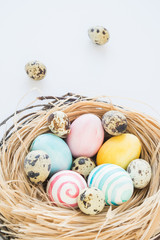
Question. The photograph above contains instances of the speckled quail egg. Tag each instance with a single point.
(140, 173)
(58, 123)
(98, 35)
(37, 166)
(35, 70)
(83, 165)
(91, 201)
(114, 122)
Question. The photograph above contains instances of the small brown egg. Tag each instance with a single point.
(58, 123)
(83, 165)
(35, 70)
(37, 166)
(98, 35)
(114, 122)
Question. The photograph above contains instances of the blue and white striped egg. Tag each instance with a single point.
(114, 181)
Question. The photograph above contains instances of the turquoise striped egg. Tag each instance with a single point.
(57, 150)
(114, 181)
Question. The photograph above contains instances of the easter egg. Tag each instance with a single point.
(58, 123)
(140, 173)
(119, 150)
(35, 70)
(86, 136)
(114, 122)
(114, 182)
(91, 201)
(57, 150)
(83, 166)
(37, 166)
(64, 187)
(98, 35)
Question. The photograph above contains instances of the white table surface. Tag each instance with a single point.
(55, 32)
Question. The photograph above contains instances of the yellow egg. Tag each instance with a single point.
(119, 150)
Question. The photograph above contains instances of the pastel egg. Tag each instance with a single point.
(114, 182)
(58, 123)
(91, 201)
(86, 135)
(114, 122)
(98, 35)
(35, 70)
(140, 173)
(119, 150)
(56, 148)
(37, 166)
(64, 187)
(83, 165)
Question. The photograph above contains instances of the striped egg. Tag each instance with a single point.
(64, 187)
(114, 181)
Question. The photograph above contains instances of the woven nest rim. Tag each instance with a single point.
(26, 212)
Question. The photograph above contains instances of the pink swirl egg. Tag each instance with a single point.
(86, 135)
(63, 188)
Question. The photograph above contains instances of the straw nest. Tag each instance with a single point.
(26, 212)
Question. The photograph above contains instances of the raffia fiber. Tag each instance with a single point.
(25, 209)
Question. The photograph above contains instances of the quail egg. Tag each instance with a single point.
(98, 35)
(58, 123)
(83, 165)
(114, 122)
(35, 70)
(140, 173)
(37, 166)
(91, 201)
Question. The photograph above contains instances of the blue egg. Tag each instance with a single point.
(56, 148)
(114, 181)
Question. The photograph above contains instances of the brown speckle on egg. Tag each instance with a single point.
(82, 161)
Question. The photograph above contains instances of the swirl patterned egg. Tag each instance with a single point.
(64, 187)
(114, 181)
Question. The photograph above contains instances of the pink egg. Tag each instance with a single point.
(64, 187)
(86, 136)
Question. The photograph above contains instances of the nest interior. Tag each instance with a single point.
(26, 212)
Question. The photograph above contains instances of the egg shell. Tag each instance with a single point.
(56, 148)
(83, 165)
(86, 135)
(35, 70)
(98, 35)
(64, 187)
(58, 123)
(119, 150)
(91, 201)
(114, 182)
(37, 166)
(140, 173)
(114, 122)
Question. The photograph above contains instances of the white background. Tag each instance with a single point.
(55, 33)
